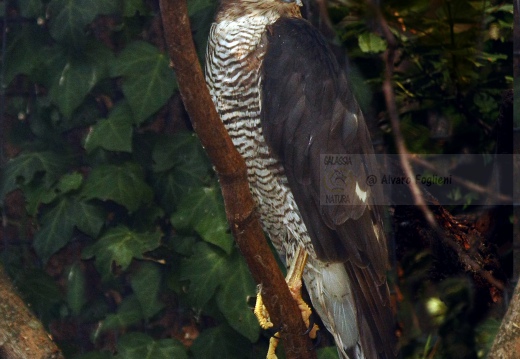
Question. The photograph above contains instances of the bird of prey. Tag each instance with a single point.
(286, 105)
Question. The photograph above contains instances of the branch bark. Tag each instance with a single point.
(231, 170)
(507, 341)
(21, 334)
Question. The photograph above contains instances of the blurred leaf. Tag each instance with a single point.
(69, 18)
(371, 43)
(31, 8)
(233, 295)
(123, 184)
(76, 288)
(94, 355)
(203, 210)
(113, 133)
(134, 7)
(58, 224)
(146, 283)
(56, 230)
(327, 353)
(128, 313)
(26, 165)
(182, 151)
(148, 80)
(40, 291)
(88, 217)
(139, 346)
(120, 245)
(220, 342)
(29, 40)
(76, 80)
(197, 5)
(205, 270)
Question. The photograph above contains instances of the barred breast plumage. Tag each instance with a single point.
(233, 72)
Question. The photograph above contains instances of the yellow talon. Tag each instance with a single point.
(294, 282)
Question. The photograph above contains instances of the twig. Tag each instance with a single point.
(391, 107)
(231, 169)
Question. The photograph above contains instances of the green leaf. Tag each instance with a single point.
(198, 5)
(94, 355)
(58, 224)
(69, 182)
(139, 346)
(41, 292)
(205, 270)
(123, 184)
(371, 43)
(76, 79)
(31, 8)
(327, 353)
(113, 133)
(148, 81)
(76, 288)
(28, 40)
(56, 230)
(182, 151)
(233, 295)
(220, 342)
(70, 17)
(128, 313)
(120, 245)
(88, 217)
(202, 210)
(146, 283)
(25, 166)
(133, 7)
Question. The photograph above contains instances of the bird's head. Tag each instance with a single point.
(231, 9)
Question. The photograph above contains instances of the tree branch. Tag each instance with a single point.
(507, 341)
(21, 334)
(231, 170)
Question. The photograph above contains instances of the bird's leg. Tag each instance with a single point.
(294, 282)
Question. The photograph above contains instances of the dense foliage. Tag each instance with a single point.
(115, 230)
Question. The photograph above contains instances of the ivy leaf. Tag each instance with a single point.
(88, 217)
(76, 288)
(233, 295)
(148, 80)
(26, 165)
(70, 17)
(56, 230)
(146, 283)
(123, 184)
(182, 151)
(113, 133)
(94, 355)
(59, 222)
(139, 346)
(205, 270)
(371, 43)
(120, 245)
(198, 5)
(202, 210)
(128, 313)
(327, 353)
(133, 7)
(76, 79)
(220, 342)
(17, 62)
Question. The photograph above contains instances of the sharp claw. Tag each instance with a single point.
(311, 325)
(317, 341)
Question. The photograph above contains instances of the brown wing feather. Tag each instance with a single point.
(309, 110)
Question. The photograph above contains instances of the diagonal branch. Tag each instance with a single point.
(231, 170)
